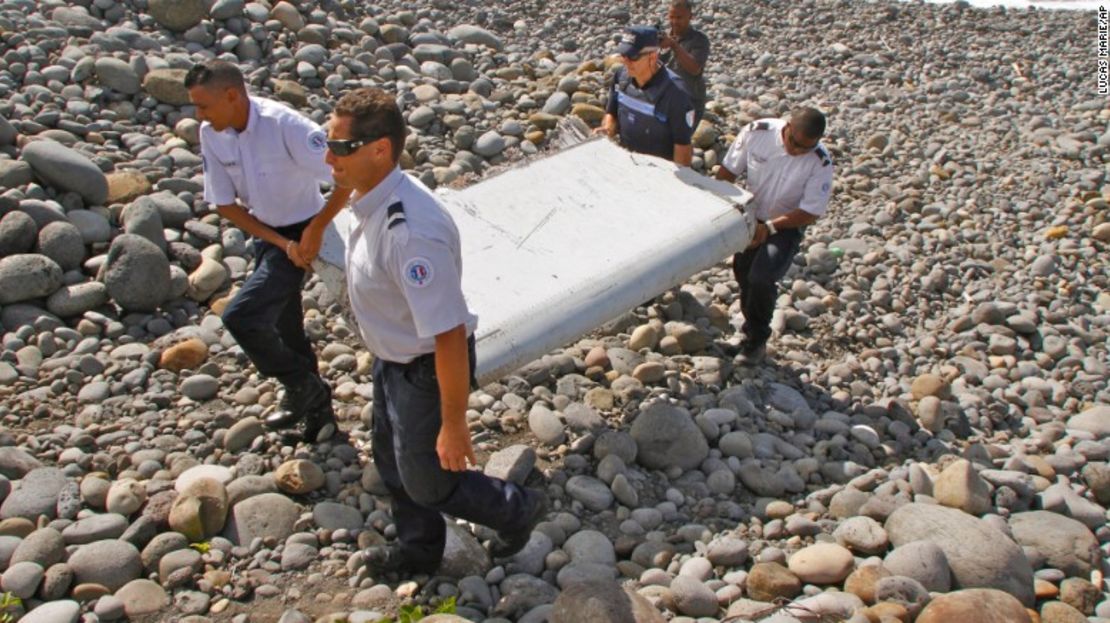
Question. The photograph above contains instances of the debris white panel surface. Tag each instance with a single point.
(554, 249)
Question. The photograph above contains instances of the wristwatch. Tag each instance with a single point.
(771, 231)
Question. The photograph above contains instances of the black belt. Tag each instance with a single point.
(429, 359)
(293, 229)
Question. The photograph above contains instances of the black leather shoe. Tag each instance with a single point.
(730, 349)
(752, 353)
(299, 396)
(320, 424)
(507, 544)
(387, 559)
(318, 429)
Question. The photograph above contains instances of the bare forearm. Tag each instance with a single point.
(686, 61)
(313, 235)
(335, 203)
(724, 174)
(239, 217)
(453, 372)
(793, 220)
(609, 124)
(683, 155)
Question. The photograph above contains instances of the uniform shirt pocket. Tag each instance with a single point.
(365, 281)
(234, 172)
(755, 165)
(281, 179)
(275, 166)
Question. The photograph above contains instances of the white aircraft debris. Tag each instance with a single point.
(556, 248)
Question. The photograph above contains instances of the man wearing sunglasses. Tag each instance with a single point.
(263, 165)
(790, 175)
(404, 268)
(647, 109)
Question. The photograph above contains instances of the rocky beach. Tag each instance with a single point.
(928, 442)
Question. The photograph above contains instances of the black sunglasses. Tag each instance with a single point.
(347, 147)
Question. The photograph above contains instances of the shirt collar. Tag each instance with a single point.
(367, 204)
(655, 80)
(659, 76)
(253, 115)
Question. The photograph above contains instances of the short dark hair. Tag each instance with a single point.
(810, 121)
(215, 74)
(683, 4)
(374, 114)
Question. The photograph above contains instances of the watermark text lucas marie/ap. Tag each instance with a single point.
(1103, 44)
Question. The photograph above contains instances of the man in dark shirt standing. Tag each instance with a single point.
(686, 50)
(647, 109)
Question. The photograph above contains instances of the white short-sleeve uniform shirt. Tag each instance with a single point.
(404, 269)
(779, 182)
(274, 167)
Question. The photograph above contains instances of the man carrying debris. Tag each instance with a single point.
(647, 109)
(404, 267)
(686, 50)
(263, 163)
(790, 176)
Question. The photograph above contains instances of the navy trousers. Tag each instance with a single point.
(758, 271)
(406, 419)
(266, 317)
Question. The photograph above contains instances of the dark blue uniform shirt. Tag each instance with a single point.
(654, 118)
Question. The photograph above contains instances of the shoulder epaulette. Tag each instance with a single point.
(760, 125)
(823, 155)
(395, 215)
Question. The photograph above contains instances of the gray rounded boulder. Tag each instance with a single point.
(7, 132)
(44, 547)
(53, 611)
(42, 212)
(602, 601)
(174, 212)
(28, 276)
(227, 9)
(22, 314)
(111, 563)
(923, 561)
(469, 33)
(117, 75)
(178, 15)
(667, 436)
(66, 169)
(15, 173)
(979, 555)
(1065, 543)
(137, 273)
(142, 218)
(37, 495)
(74, 300)
(62, 242)
(489, 144)
(94, 227)
(18, 232)
(269, 515)
(1095, 420)
(167, 86)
